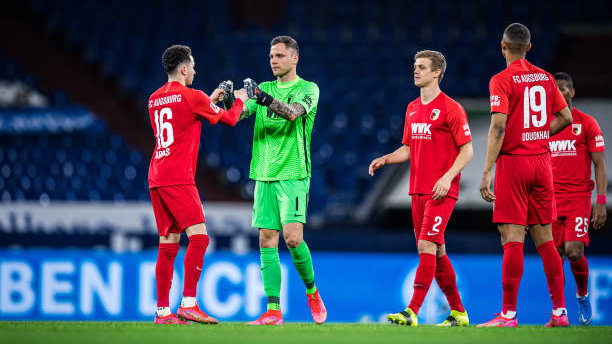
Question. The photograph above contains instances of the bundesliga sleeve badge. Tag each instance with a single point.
(576, 129)
(435, 114)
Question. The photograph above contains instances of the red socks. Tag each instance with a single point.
(580, 268)
(512, 272)
(194, 259)
(447, 281)
(554, 272)
(164, 269)
(424, 275)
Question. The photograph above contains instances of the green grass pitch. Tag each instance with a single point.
(293, 333)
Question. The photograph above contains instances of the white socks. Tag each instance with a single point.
(509, 314)
(163, 311)
(188, 301)
(559, 312)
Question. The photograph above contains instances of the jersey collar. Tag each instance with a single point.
(288, 84)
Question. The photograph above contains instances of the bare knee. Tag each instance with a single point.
(441, 251)
(293, 234)
(574, 250)
(428, 247)
(292, 240)
(268, 238)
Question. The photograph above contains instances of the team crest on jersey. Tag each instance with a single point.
(435, 114)
(576, 129)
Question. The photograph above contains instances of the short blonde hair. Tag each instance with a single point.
(438, 62)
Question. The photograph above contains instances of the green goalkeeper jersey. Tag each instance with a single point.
(281, 148)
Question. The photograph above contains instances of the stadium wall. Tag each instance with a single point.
(357, 287)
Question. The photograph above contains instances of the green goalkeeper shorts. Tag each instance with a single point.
(280, 202)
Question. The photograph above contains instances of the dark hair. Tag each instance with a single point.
(566, 77)
(438, 62)
(288, 41)
(174, 56)
(518, 38)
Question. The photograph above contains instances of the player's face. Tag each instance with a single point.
(282, 59)
(423, 75)
(190, 72)
(566, 90)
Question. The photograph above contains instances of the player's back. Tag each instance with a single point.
(530, 98)
(173, 112)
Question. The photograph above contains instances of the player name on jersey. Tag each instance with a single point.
(536, 135)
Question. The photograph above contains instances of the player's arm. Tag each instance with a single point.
(601, 180)
(232, 115)
(562, 119)
(443, 184)
(400, 155)
(287, 111)
(495, 139)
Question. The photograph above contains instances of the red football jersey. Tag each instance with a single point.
(175, 112)
(530, 97)
(570, 152)
(434, 132)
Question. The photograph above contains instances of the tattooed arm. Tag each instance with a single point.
(287, 111)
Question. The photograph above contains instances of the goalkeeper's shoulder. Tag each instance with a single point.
(310, 86)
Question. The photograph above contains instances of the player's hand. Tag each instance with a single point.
(217, 95)
(254, 92)
(376, 164)
(485, 187)
(241, 94)
(599, 217)
(228, 93)
(441, 187)
(251, 88)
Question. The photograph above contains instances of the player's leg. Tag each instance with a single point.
(543, 239)
(293, 195)
(510, 214)
(183, 203)
(580, 269)
(576, 239)
(169, 237)
(408, 316)
(266, 218)
(193, 265)
(542, 213)
(447, 281)
(512, 239)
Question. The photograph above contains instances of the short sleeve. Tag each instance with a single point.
(407, 132)
(308, 96)
(594, 136)
(558, 100)
(499, 94)
(203, 106)
(458, 125)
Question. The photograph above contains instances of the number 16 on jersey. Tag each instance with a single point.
(165, 135)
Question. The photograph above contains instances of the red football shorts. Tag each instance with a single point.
(573, 220)
(523, 188)
(430, 217)
(176, 207)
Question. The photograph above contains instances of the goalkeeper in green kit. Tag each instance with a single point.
(285, 110)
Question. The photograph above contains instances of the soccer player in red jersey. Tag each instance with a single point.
(572, 152)
(438, 142)
(175, 111)
(524, 99)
